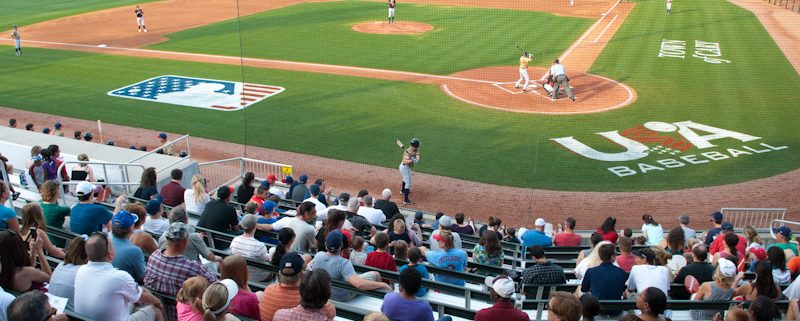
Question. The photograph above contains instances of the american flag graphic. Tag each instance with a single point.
(198, 92)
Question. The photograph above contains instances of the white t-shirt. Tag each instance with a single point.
(646, 276)
(654, 234)
(155, 226)
(793, 290)
(303, 232)
(253, 249)
(274, 190)
(317, 203)
(435, 244)
(103, 292)
(5, 301)
(373, 215)
(323, 214)
(191, 205)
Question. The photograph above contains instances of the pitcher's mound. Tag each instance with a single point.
(397, 28)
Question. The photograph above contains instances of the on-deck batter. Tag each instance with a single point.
(410, 157)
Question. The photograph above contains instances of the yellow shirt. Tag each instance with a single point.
(523, 61)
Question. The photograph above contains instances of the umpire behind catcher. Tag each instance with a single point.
(560, 75)
(410, 157)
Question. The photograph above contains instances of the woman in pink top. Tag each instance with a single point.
(190, 299)
(245, 303)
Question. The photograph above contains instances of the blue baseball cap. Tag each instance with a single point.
(334, 241)
(265, 183)
(46, 130)
(783, 230)
(313, 189)
(124, 219)
(268, 207)
(57, 125)
(162, 135)
(717, 216)
(153, 206)
(303, 179)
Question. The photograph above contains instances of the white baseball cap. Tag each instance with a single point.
(233, 289)
(726, 267)
(84, 188)
(539, 222)
(501, 284)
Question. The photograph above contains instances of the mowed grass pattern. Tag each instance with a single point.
(27, 12)
(463, 38)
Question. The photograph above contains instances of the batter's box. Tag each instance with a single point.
(509, 87)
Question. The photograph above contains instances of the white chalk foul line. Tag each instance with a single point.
(605, 29)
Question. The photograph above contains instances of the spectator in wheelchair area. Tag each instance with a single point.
(563, 306)
(33, 305)
(404, 306)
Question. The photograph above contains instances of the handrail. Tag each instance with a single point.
(155, 150)
(258, 167)
(784, 222)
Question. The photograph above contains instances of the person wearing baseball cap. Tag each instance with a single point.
(342, 269)
(783, 237)
(716, 219)
(719, 242)
(445, 222)
(167, 269)
(274, 189)
(219, 215)
(298, 190)
(156, 223)
(217, 298)
(166, 149)
(536, 236)
(249, 247)
(720, 289)
(86, 217)
(646, 273)
(404, 306)
(129, 257)
(286, 293)
(446, 257)
(501, 290)
(57, 130)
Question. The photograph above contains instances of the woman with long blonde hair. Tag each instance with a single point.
(590, 261)
(196, 197)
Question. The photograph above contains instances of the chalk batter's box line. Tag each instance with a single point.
(499, 85)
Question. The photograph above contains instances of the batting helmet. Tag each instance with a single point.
(414, 142)
(87, 135)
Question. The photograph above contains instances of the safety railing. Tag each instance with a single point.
(779, 223)
(228, 171)
(759, 218)
(176, 146)
(116, 176)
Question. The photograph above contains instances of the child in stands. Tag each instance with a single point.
(380, 258)
(625, 259)
(414, 256)
(358, 255)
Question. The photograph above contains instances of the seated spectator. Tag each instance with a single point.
(593, 260)
(373, 215)
(444, 225)
(488, 250)
(247, 246)
(313, 195)
(196, 197)
(103, 292)
(8, 217)
(82, 171)
(398, 232)
(700, 269)
(675, 245)
(414, 257)
(511, 236)
(375, 316)
(564, 307)
(762, 308)
(298, 191)
(385, 204)
(261, 195)
(568, 236)
(758, 254)
(32, 218)
(783, 237)
(128, 257)
(217, 301)
(77, 134)
(447, 257)
(147, 186)
(590, 307)
(335, 221)
(54, 214)
(380, 258)
(404, 306)
(688, 232)
(628, 232)
(315, 290)
(304, 232)
(625, 259)
(156, 223)
(343, 199)
(140, 238)
(652, 230)
(400, 250)
(608, 230)
(711, 234)
(501, 290)
(285, 239)
(719, 242)
(87, 217)
(18, 267)
(720, 289)
(189, 301)
(197, 247)
(605, 281)
(341, 269)
(358, 255)
(354, 221)
(246, 191)
(274, 189)
(172, 192)
(32, 305)
(286, 293)
(536, 236)
(5, 300)
(542, 271)
(730, 251)
(493, 223)
(775, 256)
(466, 227)
(62, 282)
(167, 269)
(652, 302)
(219, 215)
(762, 285)
(245, 303)
(647, 274)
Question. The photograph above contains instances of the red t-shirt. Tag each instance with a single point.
(567, 239)
(611, 236)
(172, 194)
(719, 244)
(501, 311)
(381, 260)
(626, 262)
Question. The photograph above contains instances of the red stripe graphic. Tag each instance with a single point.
(261, 86)
(259, 90)
(223, 107)
(252, 94)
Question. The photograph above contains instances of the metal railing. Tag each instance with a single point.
(179, 142)
(122, 170)
(757, 217)
(779, 223)
(227, 171)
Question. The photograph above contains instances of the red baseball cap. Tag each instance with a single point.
(271, 178)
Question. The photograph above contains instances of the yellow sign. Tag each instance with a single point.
(286, 170)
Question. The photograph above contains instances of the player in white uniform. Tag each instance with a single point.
(669, 6)
(523, 71)
(140, 19)
(17, 41)
(392, 4)
(410, 157)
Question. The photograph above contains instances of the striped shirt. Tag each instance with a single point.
(253, 249)
(280, 296)
(166, 274)
(299, 313)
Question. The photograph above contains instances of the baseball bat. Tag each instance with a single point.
(100, 131)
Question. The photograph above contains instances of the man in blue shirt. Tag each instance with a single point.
(87, 217)
(536, 236)
(128, 257)
(716, 218)
(606, 281)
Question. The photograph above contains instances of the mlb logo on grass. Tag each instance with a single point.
(198, 92)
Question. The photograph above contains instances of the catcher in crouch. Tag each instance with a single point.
(410, 157)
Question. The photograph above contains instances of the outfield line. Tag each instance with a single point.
(258, 60)
(605, 29)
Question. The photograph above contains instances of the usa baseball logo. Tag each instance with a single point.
(198, 92)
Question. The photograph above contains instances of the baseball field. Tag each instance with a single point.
(706, 96)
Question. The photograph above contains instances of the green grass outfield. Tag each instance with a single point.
(27, 12)
(357, 119)
(463, 38)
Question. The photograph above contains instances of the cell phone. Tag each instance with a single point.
(33, 233)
